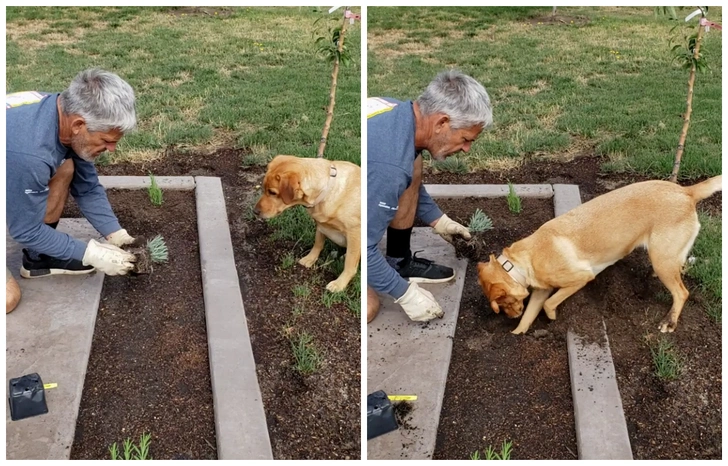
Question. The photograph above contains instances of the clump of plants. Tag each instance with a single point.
(451, 165)
(665, 359)
(308, 359)
(479, 222)
(148, 253)
(155, 192)
(491, 454)
(131, 451)
(514, 202)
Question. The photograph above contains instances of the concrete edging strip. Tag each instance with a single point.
(182, 183)
(240, 423)
(489, 190)
(601, 428)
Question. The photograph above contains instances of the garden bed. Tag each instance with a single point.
(504, 387)
(315, 416)
(148, 371)
(676, 419)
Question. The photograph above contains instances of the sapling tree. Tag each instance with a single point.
(689, 56)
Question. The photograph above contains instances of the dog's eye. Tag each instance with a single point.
(271, 192)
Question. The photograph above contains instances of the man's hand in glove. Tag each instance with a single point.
(419, 304)
(447, 228)
(120, 238)
(108, 258)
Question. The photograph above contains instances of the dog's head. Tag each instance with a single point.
(502, 291)
(281, 186)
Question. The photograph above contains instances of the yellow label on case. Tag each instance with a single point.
(402, 397)
(49, 385)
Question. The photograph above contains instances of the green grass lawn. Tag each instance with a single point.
(240, 77)
(603, 84)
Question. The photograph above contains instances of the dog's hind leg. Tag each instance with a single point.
(318, 246)
(668, 258)
(535, 304)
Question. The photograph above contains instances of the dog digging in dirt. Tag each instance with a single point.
(570, 250)
(331, 193)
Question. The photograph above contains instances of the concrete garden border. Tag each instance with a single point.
(601, 428)
(240, 424)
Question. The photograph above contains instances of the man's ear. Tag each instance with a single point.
(289, 188)
(442, 123)
(77, 123)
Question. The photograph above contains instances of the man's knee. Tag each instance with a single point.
(373, 304)
(12, 292)
(417, 173)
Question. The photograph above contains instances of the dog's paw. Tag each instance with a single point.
(336, 286)
(667, 326)
(308, 261)
(518, 331)
(550, 313)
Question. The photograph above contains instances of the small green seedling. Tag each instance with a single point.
(514, 202)
(157, 248)
(479, 222)
(491, 454)
(131, 451)
(666, 361)
(155, 193)
(308, 359)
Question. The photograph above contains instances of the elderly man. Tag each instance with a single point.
(52, 142)
(444, 120)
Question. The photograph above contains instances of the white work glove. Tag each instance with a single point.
(120, 238)
(108, 258)
(419, 304)
(446, 228)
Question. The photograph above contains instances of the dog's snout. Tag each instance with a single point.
(256, 210)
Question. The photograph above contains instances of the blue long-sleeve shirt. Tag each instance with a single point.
(390, 159)
(33, 154)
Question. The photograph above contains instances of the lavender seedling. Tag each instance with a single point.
(157, 249)
(479, 222)
(514, 202)
(155, 193)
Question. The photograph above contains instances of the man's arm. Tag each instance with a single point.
(25, 206)
(384, 183)
(427, 209)
(91, 198)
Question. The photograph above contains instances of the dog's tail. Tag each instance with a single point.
(705, 189)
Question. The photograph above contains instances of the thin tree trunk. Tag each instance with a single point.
(689, 109)
(553, 11)
(332, 93)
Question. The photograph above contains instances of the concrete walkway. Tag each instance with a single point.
(50, 332)
(412, 358)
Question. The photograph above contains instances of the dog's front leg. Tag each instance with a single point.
(318, 246)
(351, 261)
(535, 303)
(559, 297)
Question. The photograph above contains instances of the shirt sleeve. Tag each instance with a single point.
(26, 202)
(384, 183)
(91, 198)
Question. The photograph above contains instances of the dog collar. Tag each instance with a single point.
(511, 269)
(332, 175)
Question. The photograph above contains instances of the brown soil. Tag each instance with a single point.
(680, 419)
(313, 417)
(149, 371)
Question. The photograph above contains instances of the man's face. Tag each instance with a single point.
(447, 141)
(89, 145)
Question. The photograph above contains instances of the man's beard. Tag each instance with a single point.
(81, 148)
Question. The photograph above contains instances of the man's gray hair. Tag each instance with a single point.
(463, 99)
(103, 99)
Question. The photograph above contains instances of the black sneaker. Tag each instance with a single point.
(419, 270)
(46, 266)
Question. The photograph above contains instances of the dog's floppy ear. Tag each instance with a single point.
(496, 292)
(289, 187)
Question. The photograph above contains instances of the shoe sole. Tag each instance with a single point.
(429, 280)
(40, 273)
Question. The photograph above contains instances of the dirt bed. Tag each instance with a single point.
(678, 419)
(309, 417)
(149, 370)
